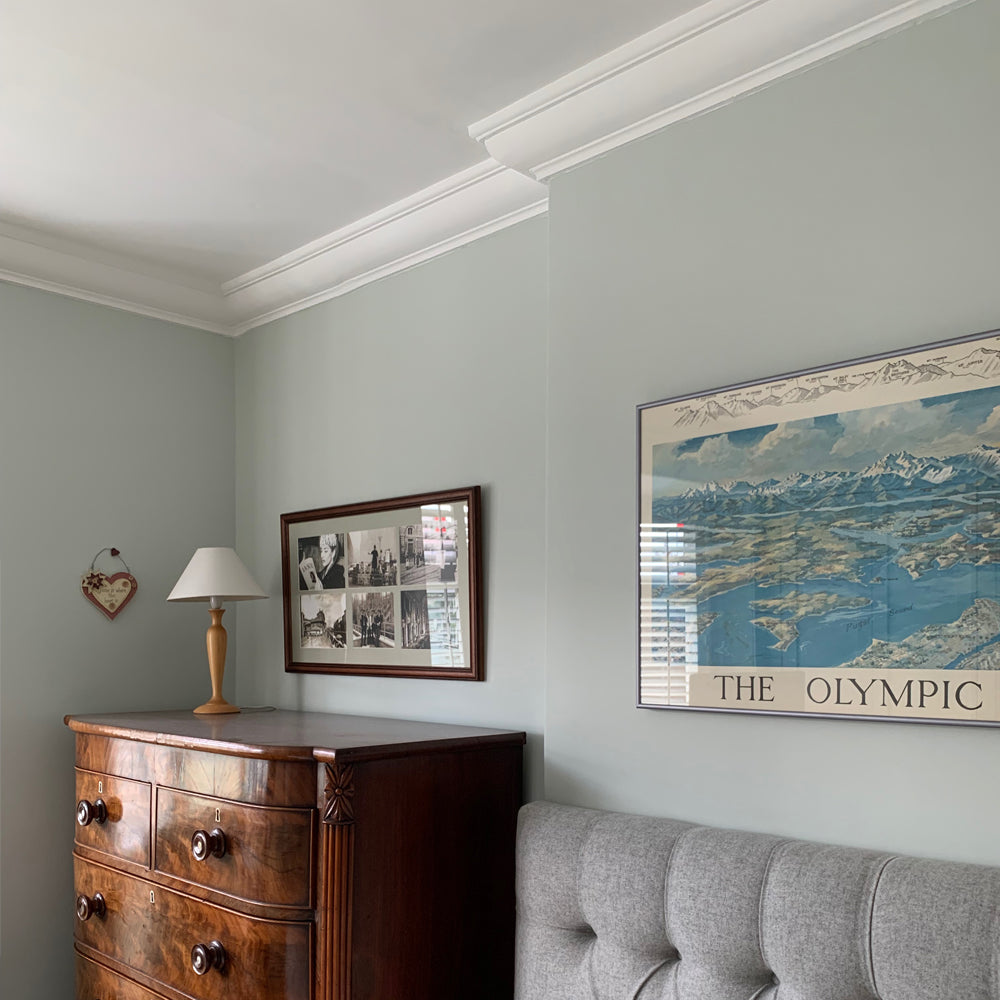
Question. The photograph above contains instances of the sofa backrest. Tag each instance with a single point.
(619, 907)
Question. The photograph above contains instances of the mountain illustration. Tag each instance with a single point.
(986, 458)
(686, 415)
(904, 466)
(739, 405)
(714, 411)
(799, 394)
(982, 362)
(906, 372)
(897, 476)
(709, 412)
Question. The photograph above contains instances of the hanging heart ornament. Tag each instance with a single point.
(109, 594)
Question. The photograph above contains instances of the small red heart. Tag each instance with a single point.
(109, 594)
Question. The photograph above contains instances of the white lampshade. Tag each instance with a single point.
(216, 575)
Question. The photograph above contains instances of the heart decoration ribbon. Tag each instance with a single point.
(109, 594)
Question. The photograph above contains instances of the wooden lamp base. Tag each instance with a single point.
(215, 641)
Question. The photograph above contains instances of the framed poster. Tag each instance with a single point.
(827, 542)
(390, 587)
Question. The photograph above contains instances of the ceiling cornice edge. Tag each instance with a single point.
(458, 210)
(53, 266)
(395, 266)
(702, 60)
(699, 61)
(113, 302)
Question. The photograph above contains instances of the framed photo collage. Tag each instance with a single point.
(389, 587)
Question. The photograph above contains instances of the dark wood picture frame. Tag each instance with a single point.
(389, 588)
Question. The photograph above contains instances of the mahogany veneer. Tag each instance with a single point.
(97, 982)
(263, 855)
(293, 856)
(117, 823)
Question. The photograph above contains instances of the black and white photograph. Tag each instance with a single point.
(374, 621)
(427, 551)
(323, 621)
(373, 558)
(321, 562)
(411, 554)
(386, 588)
(414, 623)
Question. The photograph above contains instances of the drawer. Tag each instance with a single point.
(153, 930)
(94, 982)
(255, 853)
(113, 816)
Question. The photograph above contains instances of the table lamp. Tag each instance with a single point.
(216, 575)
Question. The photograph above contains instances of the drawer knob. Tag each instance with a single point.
(208, 956)
(204, 844)
(88, 906)
(90, 812)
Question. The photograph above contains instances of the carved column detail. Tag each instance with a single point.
(338, 807)
(333, 971)
(336, 887)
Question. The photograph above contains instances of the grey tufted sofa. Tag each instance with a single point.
(620, 907)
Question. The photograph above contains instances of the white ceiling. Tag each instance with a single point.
(219, 162)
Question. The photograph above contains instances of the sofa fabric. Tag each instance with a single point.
(619, 907)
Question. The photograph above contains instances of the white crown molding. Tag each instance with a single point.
(465, 207)
(702, 60)
(699, 61)
(471, 204)
(54, 265)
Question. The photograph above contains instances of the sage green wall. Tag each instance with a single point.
(426, 380)
(114, 430)
(850, 210)
(846, 211)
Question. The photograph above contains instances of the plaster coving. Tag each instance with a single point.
(700, 61)
(721, 50)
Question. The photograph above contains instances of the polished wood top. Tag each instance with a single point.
(275, 734)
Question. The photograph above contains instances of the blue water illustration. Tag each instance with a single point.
(900, 606)
(831, 549)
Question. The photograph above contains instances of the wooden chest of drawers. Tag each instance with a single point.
(293, 856)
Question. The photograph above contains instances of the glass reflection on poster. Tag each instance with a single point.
(445, 625)
(428, 550)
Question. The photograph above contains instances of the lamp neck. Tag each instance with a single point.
(215, 602)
